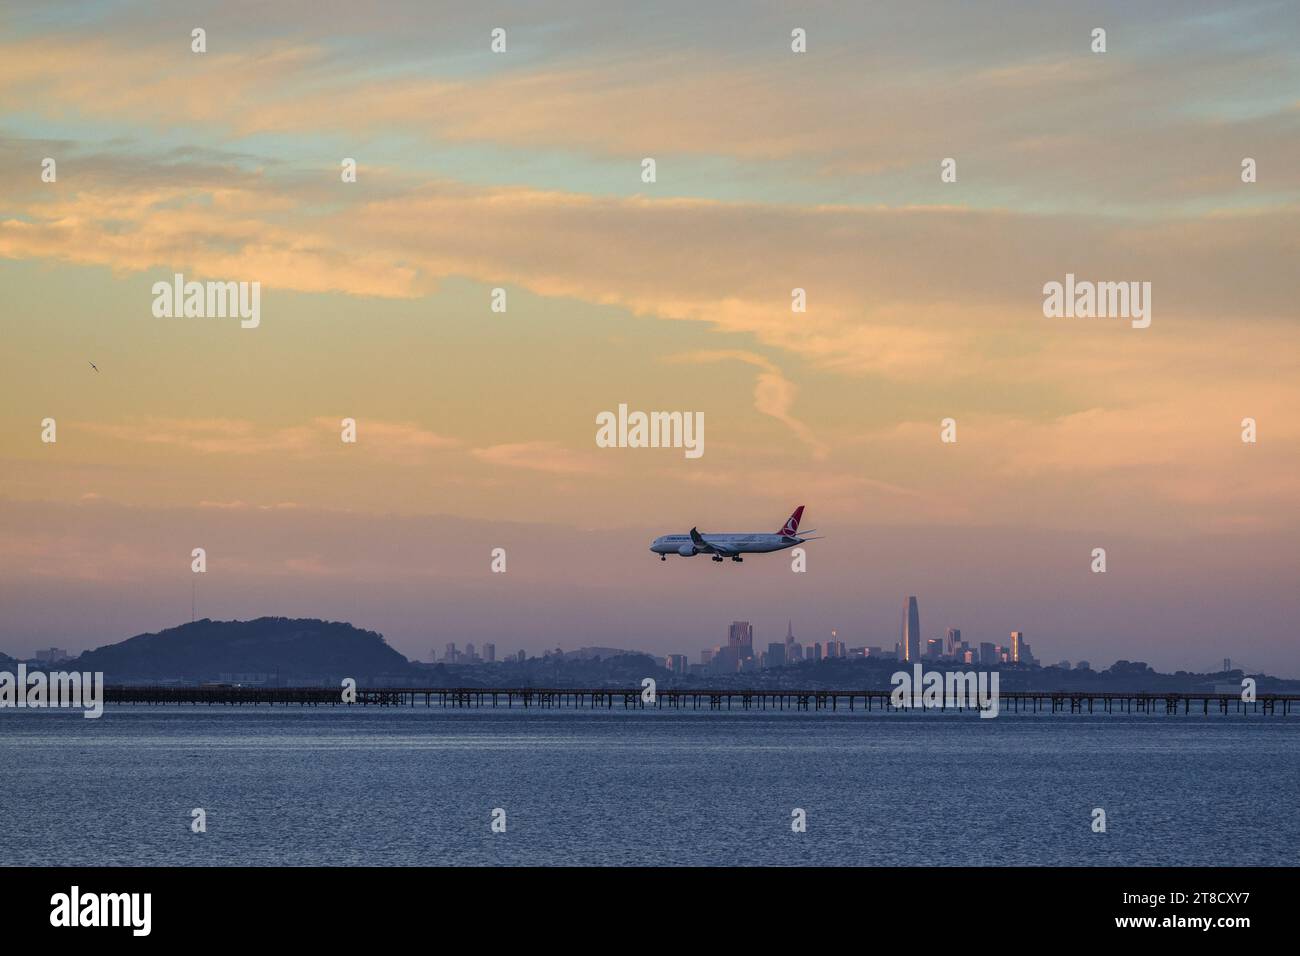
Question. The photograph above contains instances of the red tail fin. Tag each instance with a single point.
(791, 527)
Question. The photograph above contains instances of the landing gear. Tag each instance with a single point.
(663, 557)
(718, 558)
(737, 558)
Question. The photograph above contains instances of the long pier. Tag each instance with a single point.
(1052, 702)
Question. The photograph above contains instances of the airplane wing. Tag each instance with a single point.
(705, 547)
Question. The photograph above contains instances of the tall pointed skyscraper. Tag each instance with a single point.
(910, 640)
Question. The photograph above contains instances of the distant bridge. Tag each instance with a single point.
(1028, 701)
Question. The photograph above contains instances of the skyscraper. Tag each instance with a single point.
(952, 642)
(910, 640)
(1016, 638)
(740, 638)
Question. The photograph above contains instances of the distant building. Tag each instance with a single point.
(490, 653)
(988, 653)
(775, 655)
(52, 655)
(934, 647)
(910, 638)
(740, 638)
(952, 642)
(725, 660)
(706, 657)
(677, 663)
(816, 652)
(450, 655)
(1016, 638)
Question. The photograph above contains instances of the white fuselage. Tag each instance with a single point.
(726, 543)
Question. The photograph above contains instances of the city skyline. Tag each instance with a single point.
(741, 654)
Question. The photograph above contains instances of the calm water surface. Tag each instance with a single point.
(417, 786)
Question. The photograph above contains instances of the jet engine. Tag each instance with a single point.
(687, 551)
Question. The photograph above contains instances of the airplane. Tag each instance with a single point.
(721, 546)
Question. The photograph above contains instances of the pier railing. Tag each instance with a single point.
(1030, 701)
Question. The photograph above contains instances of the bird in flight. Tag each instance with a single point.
(94, 366)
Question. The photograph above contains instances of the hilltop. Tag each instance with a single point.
(266, 650)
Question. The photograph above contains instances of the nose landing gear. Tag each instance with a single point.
(663, 557)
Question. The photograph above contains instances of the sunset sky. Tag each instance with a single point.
(775, 170)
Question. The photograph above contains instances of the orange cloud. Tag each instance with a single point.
(538, 456)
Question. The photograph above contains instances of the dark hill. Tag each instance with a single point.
(268, 650)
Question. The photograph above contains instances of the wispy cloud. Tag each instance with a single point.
(774, 394)
(544, 456)
(219, 436)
